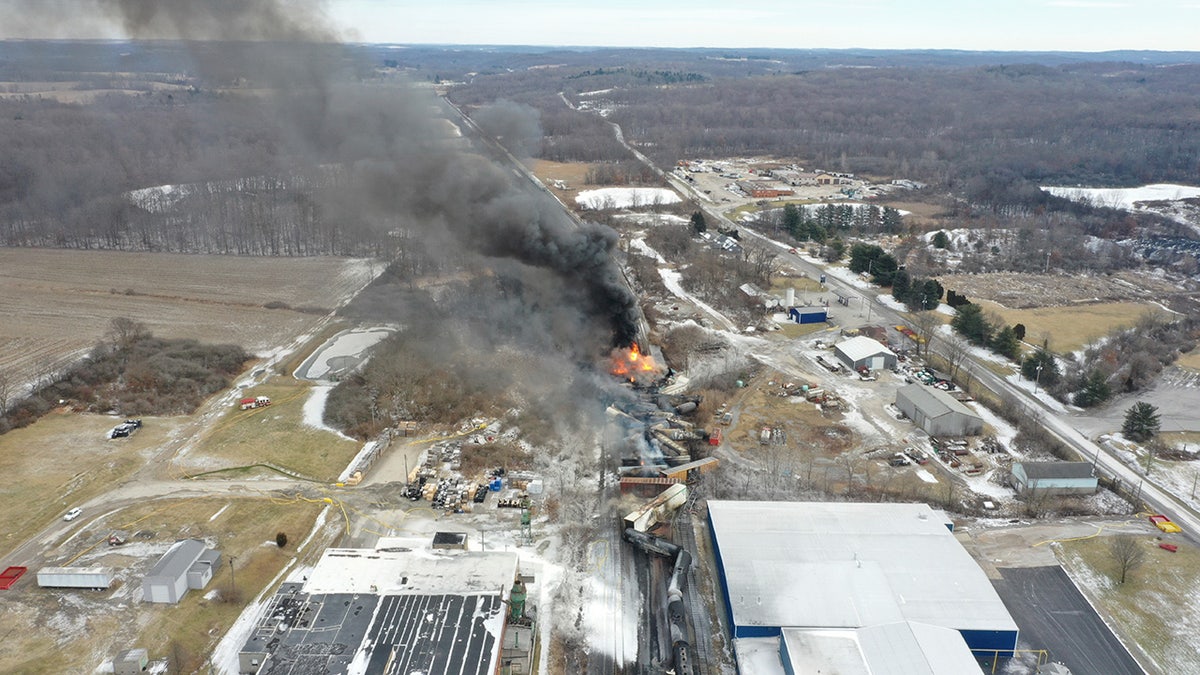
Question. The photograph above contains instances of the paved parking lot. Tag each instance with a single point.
(1053, 615)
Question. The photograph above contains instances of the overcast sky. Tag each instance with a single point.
(1059, 25)
(1053, 25)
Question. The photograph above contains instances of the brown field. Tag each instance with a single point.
(1153, 610)
(95, 625)
(1191, 360)
(1072, 327)
(57, 303)
(1023, 291)
(63, 460)
(274, 435)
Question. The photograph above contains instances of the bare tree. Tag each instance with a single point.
(4, 391)
(1128, 554)
(925, 323)
(123, 332)
(956, 353)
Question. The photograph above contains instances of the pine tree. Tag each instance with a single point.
(1005, 343)
(970, 323)
(940, 240)
(1094, 391)
(699, 224)
(1048, 375)
(1141, 422)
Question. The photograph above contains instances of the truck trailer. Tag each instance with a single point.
(96, 578)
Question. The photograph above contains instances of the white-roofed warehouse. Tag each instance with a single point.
(937, 412)
(831, 569)
(864, 352)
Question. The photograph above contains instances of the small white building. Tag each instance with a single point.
(1054, 478)
(864, 352)
(188, 564)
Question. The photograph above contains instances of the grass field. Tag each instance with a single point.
(275, 435)
(95, 625)
(57, 304)
(62, 460)
(1155, 608)
(1072, 327)
(1191, 360)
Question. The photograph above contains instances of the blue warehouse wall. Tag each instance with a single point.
(1005, 641)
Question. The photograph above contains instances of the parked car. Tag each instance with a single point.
(73, 514)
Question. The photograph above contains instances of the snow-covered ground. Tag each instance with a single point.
(343, 347)
(314, 410)
(1125, 198)
(625, 197)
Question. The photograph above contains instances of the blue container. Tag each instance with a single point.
(496, 485)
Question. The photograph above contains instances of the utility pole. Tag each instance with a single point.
(232, 582)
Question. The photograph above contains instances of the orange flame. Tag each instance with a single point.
(631, 363)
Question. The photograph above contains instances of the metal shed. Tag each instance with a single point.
(1054, 478)
(863, 352)
(936, 412)
(189, 564)
(808, 314)
(131, 662)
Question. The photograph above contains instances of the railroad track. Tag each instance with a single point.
(698, 618)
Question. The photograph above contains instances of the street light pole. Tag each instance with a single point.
(1037, 380)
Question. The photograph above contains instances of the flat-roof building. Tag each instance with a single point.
(397, 609)
(851, 579)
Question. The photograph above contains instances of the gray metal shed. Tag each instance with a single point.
(937, 412)
(189, 564)
(131, 662)
(1054, 478)
(864, 352)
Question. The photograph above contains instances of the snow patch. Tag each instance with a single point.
(624, 198)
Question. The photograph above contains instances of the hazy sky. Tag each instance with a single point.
(1058, 25)
(1061, 25)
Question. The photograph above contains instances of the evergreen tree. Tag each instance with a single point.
(1005, 343)
(1019, 329)
(884, 269)
(1141, 422)
(970, 323)
(835, 250)
(891, 220)
(940, 240)
(1049, 374)
(1094, 391)
(793, 223)
(901, 286)
(699, 224)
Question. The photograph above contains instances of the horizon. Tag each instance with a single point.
(1019, 26)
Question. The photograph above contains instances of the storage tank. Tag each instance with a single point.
(517, 600)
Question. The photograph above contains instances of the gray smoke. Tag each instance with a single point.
(538, 280)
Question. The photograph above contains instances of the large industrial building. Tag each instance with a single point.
(400, 608)
(855, 588)
(937, 412)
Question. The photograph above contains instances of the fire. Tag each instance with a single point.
(631, 363)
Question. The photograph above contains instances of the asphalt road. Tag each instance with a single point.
(1053, 615)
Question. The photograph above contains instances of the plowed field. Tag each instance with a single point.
(56, 304)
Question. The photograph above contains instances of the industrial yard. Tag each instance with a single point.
(676, 442)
